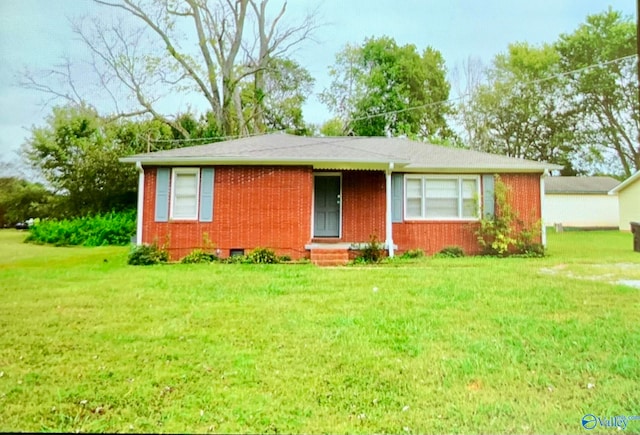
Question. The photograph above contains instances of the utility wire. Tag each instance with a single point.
(407, 109)
(451, 100)
(238, 136)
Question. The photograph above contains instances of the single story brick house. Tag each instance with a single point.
(317, 197)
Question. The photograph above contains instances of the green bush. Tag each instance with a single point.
(146, 255)
(372, 252)
(263, 256)
(413, 253)
(236, 259)
(505, 234)
(450, 252)
(115, 228)
(198, 256)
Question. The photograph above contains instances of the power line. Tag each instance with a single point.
(406, 109)
(451, 100)
(221, 138)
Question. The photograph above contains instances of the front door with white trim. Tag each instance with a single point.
(326, 206)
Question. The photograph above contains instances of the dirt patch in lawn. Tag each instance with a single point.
(627, 274)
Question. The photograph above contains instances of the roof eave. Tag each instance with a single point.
(577, 192)
(230, 161)
(625, 183)
(478, 170)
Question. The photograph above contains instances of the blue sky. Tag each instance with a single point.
(36, 34)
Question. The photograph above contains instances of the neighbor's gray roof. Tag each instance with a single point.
(580, 185)
(340, 153)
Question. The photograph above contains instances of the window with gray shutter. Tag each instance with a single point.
(162, 194)
(488, 196)
(206, 195)
(397, 197)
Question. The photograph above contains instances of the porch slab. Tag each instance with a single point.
(339, 245)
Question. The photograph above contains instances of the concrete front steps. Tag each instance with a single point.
(329, 254)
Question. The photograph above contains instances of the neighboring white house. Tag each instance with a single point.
(628, 194)
(582, 202)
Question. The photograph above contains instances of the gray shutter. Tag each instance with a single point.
(162, 194)
(206, 195)
(397, 197)
(488, 196)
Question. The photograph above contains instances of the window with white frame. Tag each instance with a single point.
(184, 195)
(441, 197)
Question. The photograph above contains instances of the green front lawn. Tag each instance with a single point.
(471, 345)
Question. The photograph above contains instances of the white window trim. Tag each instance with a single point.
(459, 177)
(174, 173)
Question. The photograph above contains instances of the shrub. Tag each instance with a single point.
(145, 255)
(505, 234)
(526, 244)
(236, 259)
(115, 228)
(372, 252)
(263, 256)
(198, 256)
(450, 252)
(413, 253)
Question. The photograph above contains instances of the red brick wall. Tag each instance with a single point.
(253, 207)
(524, 195)
(363, 205)
(271, 207)
(432, 236)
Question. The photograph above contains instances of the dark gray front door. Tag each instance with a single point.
(326, 206)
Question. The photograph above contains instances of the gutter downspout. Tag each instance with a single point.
(388, 220)
(543, 228)
(140, 203)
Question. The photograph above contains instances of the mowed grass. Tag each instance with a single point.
(471, 345)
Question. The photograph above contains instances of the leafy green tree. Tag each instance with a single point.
(520, 110)
(381, 88)
(332, 127)
(277, 105)
(77, 153)
(603, 87)
(21, 199)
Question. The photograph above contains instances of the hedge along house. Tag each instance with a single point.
(318, 197)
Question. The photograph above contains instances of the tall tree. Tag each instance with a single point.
(600, 58)
(466, 77)
(277, 104)
(77, 153)
(382, 88)
(202, 47)
(21, 199)
(520, 111)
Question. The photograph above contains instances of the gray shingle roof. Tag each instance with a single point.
(340, 152)
(581, 185)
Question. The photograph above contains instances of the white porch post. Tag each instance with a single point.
(543, 228)
(388, 222)
(140, 203)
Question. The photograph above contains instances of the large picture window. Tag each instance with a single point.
(441, 197)
(184, 195)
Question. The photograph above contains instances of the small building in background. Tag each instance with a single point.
(581, 202)
(628, 197)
